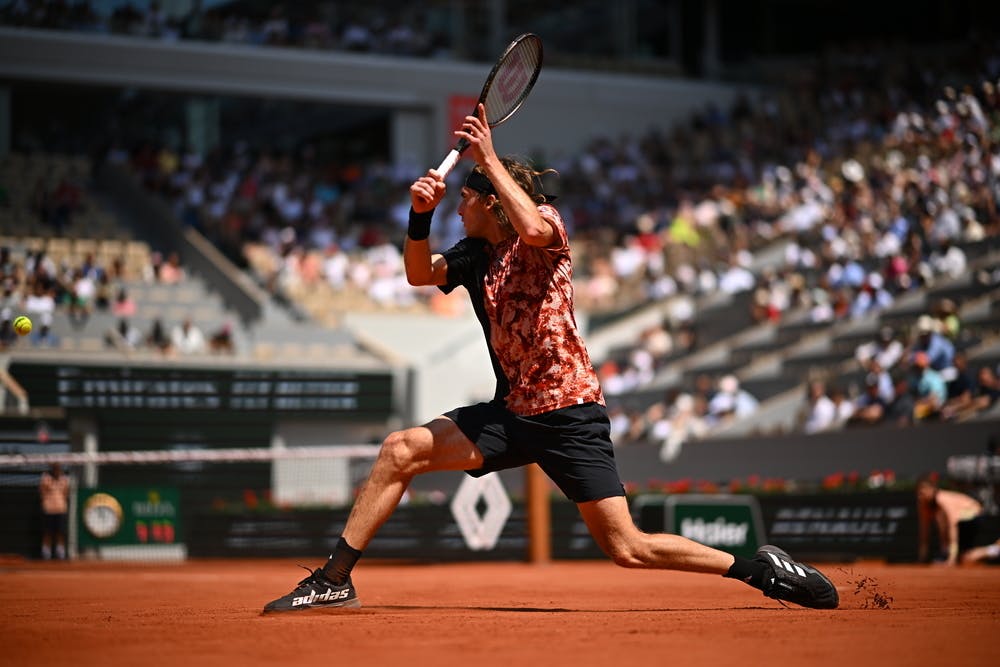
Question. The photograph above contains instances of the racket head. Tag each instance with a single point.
(512, 78)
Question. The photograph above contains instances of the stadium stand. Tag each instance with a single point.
(759, 241)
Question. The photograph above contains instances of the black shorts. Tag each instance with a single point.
(54, 524)
(572, 445)
(968, 534)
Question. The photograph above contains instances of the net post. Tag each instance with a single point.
(539, 516)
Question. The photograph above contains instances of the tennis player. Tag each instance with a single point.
(548, 407)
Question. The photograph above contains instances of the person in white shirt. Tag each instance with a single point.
(187, 338)
(40, 305)
(886, 351)
(822, 413)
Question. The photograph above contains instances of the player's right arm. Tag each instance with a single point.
(423, 267)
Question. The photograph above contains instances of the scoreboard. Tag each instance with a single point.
(99, 387)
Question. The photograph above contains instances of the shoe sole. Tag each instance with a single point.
(350, 604)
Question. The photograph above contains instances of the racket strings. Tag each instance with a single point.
(513, 80)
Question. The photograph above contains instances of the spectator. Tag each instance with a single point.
(731, 401)
(40, 305)
(158, 339)
(932, 392)
(949, 323)
(956, 516)
(80, 297)
(221, 340)
(871, 297)
(54, 491)
(845, 407)
(886, 390)
(885, 351)
(684, 425)
(940, 351)
(123, 304)
(821, 410)
(124, 336)
(187, 338)
(171, 272)
(948, 259)
(986, 390)
(960, 389)
(102, 295)
(900, 411)
(869, 408)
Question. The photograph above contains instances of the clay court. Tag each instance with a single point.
(568, 613)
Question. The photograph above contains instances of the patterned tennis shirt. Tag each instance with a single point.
(523, 297)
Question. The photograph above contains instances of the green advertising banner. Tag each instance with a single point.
(730, 523)
(128, 516)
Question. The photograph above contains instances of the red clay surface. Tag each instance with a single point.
(579, 614)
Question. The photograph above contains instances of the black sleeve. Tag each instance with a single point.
(464, 259)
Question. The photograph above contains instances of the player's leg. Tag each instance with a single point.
(771, 570)
(47, 536)
(438, 445)
(611, 525)
(990, 553)
(60, 536)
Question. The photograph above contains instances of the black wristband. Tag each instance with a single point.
(420, 225)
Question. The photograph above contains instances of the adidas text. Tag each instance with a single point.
(330, 596)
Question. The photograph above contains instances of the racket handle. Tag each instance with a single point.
(449, 163)
(452, 159)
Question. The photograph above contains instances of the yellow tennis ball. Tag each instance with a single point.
(22, 325)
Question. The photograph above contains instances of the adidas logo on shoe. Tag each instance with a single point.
(316, 592)
(331, 595)
(795, 582)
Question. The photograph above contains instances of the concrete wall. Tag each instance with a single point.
(565, 109)
(907, 451)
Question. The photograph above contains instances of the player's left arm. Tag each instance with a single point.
(947, 533)
(533, 228)
(952, 553)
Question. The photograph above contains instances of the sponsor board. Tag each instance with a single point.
(843, 526)
(730, 523)
(140, 518)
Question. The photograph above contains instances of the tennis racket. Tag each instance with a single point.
(506, 88)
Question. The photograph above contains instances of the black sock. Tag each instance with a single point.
(749, 571)
(338, 567)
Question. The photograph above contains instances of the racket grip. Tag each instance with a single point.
(449, 163)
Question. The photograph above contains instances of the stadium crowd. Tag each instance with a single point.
(412, 31)
(876, 180)
(41, 286)
(877, 169)
(889, 184)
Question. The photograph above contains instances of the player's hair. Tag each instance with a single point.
(930, 478)
(524, 175)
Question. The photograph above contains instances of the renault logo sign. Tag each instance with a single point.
(481, 532)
